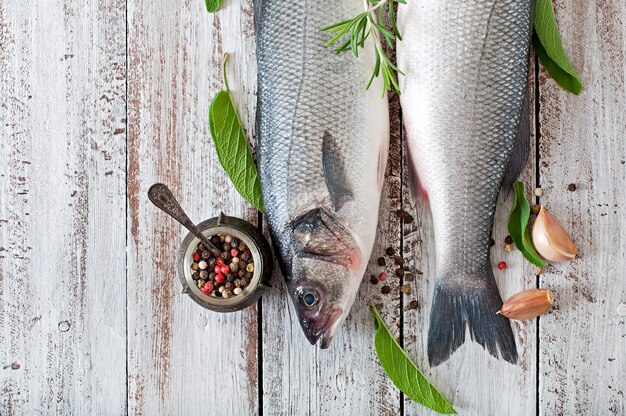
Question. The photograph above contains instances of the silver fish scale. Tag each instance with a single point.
(305, 91)
(466, 65)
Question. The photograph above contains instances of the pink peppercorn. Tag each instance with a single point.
(217, 269)
(382, 277)
(219, 278)
(502, 265)
(196, 256)
(206, 291)
(234, 252)
(220, 261)
(225, 269)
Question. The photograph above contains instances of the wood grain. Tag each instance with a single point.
(92, 320)
(583, 340)
(183, 359)
(62, 220)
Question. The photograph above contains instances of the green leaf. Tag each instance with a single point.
(403, 373)
(549, 48)
(213, 5)
(518, 222)
(232, 147)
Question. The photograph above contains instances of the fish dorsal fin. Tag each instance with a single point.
(519, 157)
(335, 172)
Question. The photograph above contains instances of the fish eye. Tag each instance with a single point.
(308, 299)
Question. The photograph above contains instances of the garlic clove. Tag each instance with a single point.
(550, 239)
(527, 304)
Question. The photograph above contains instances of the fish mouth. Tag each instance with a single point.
(325, 331)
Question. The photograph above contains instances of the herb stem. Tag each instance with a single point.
(224, 78)
(355, 32)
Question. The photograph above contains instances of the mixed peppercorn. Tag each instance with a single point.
(224, 276)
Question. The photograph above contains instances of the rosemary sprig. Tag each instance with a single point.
(360, 27)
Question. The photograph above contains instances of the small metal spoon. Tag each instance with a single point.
(161, 196)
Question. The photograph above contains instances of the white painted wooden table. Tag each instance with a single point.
(100, 99)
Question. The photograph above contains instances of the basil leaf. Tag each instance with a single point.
(213, 5)
(232, 147)
(518, 222)
(549, 48)
(403, 373)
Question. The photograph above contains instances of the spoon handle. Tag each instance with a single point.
(161, 196)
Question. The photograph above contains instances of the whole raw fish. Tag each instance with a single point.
(463, 99)
(323, 143)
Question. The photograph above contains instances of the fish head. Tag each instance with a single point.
(320, 296)
(324, 274)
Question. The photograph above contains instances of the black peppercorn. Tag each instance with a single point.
(381, 261)
(385, 290)
(390, 251)
(508, 240)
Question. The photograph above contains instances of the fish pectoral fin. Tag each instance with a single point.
(317, 233)
(335, 173)
(519, 157)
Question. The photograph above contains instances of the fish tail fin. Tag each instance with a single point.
(454, 307)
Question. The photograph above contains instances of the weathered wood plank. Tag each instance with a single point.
(474, 381)
(183, 359)
(583, 340)
(346, 378)
(62, 208)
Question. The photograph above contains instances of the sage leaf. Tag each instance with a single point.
(403, 372)
(518, 225)
(549, 48)
(213, 5)
(232, 147)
